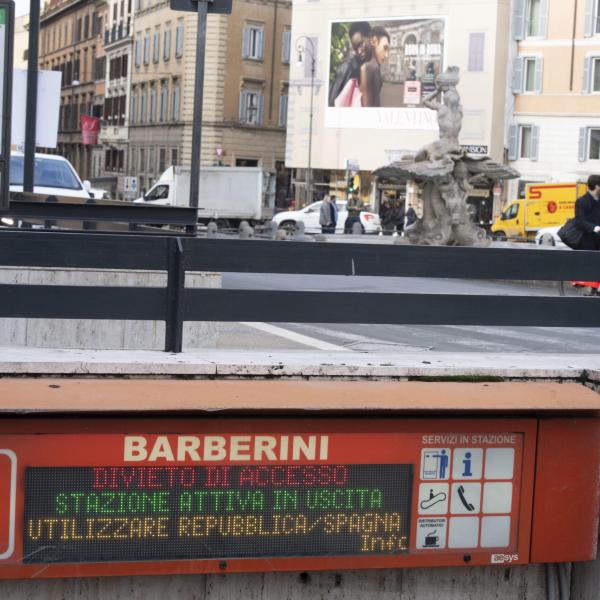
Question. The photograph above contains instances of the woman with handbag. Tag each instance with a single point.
(587, 215)
(583, 232)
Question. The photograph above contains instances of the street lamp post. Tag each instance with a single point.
(305, 45)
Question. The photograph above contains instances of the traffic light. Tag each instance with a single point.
(353, 184)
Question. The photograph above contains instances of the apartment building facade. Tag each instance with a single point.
(114, 135)
(71, 42)
(245, 89)
(554, 99)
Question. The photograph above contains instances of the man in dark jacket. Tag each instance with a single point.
(587, 215)
(360, 36)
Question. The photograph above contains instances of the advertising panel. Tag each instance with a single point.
(380, 71)
(222, 495)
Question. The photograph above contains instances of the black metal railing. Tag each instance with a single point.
(175, 304)
(89, 214)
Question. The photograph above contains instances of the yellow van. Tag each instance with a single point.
(544, 205)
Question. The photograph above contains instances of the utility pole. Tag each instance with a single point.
(31, 102)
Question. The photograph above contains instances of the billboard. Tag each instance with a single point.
(175, 496)
(380, 70)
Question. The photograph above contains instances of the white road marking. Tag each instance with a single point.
(296, 337)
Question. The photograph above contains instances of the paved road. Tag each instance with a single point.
(406, 338)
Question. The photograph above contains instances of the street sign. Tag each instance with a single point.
(221, 7)
(130, 184)
(6, 50)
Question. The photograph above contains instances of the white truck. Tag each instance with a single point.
(228, 195)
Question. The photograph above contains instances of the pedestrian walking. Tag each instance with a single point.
(587, 215)
(411, 216)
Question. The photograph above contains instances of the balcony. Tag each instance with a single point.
(117, 33)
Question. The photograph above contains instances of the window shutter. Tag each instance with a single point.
(589, 18)
(283, 108)
(285, 47)
(587, 74)
(243, 106)
(539, 75)
(261, 44)
(167, 45)
(261, 103)
(513, 142)
(476, 49)
(517, 82)
(543, 30)
(535, 143)
(518, 24)
(246, 43)
(583, 135)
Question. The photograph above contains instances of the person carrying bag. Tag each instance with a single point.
(583, 232)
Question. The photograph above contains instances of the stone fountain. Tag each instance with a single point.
(446, 175)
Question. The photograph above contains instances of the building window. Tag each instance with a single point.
(164, 101)
(589, 143)
(162, 160)
(142, 165)
(156, 47)
(528, 75)
(523, 142)
(175, 104)
(594, 153)
(152, 115)
(286, 47)
(167, 44)
(283, 109)
(147, 48)
(151, 164)
(179, 40)
(530, 18)
(476, 52)
(533, 17)
(528, 142)
(138, 52)
(592, 17)
(591, 75)
(143, 101)
(251, 107)
(253, 42)
(174, 157)
(133, 115)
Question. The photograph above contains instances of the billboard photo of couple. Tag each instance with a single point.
(389, 63)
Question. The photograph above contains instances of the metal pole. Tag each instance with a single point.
(31, 102)
(198, 101)
(310, 127)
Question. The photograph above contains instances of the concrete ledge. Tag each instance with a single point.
(16, 360)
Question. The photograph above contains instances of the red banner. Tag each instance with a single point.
(90, 127)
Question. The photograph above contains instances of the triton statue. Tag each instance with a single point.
(445, 174)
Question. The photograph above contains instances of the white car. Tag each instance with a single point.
(309, 215)
(52, 176)
(548, 236)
